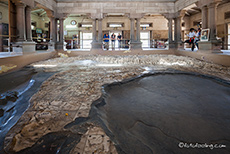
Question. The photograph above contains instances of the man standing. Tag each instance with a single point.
(106, 41)
(119, 37)
(113, 38)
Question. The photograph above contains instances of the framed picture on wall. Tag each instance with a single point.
(0, 15)
(205, 35)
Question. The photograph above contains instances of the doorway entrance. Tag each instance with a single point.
(86, 40)
(116, 42)
(145, 39)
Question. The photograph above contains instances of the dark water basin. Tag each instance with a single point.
(155, 114)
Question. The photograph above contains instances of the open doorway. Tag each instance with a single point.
(145, 39)
(86, 40)
(116, 42)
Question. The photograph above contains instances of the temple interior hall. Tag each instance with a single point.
(114, 76)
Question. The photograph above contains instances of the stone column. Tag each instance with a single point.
(204, 17)
(132, 25)
(97, 44)
(53, 32)
(52, 29)
(170, 30)
(61, 22)
(151, 39)
(100, 38)
(212, 20)
(23, 22)
(28, 24)
(135, 44)
(138, 29)
(60, 44)
(20, 7)
(175, 30)
(213, 45)
(94, 30)
(178, 27)
(170, 33)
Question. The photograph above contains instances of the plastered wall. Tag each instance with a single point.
(5, 14)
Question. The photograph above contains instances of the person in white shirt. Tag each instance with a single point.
(191, 37)
(197, 37)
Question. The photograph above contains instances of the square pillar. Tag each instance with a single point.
(135, 44)
(138, 29)
(204, 17)
(53, 33)
(20, 9)
(212, 10)
(213, 45)
(170, 33)
(132, 30)
(97, 44)
(177, 33)
(28, 24)
(24, 42)
(100, 37)
(60, 44)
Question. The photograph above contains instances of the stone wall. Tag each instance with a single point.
(159, 25)
(5, 14)
(115, 7)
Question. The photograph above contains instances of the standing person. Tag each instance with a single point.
(197, 38)
(119, 37)
(113, 38)
(191, 37)
(106, 41)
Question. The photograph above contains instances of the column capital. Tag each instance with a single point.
(204, 7)
(213, 4)
(29, 8)
(19, 3)
(50, 13)
(62, 16)
(97, 16)
(203, 3)
(180, 14)
(132, 19)
(169, 15)
(135, 15)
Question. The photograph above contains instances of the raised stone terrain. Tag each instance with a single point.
(68, 95)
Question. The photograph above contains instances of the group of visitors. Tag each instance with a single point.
(194, 37)
(106, 39)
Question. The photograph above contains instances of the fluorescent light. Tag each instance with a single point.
(86, 25)
(71, 26)
(144, 25)
(115, 25)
